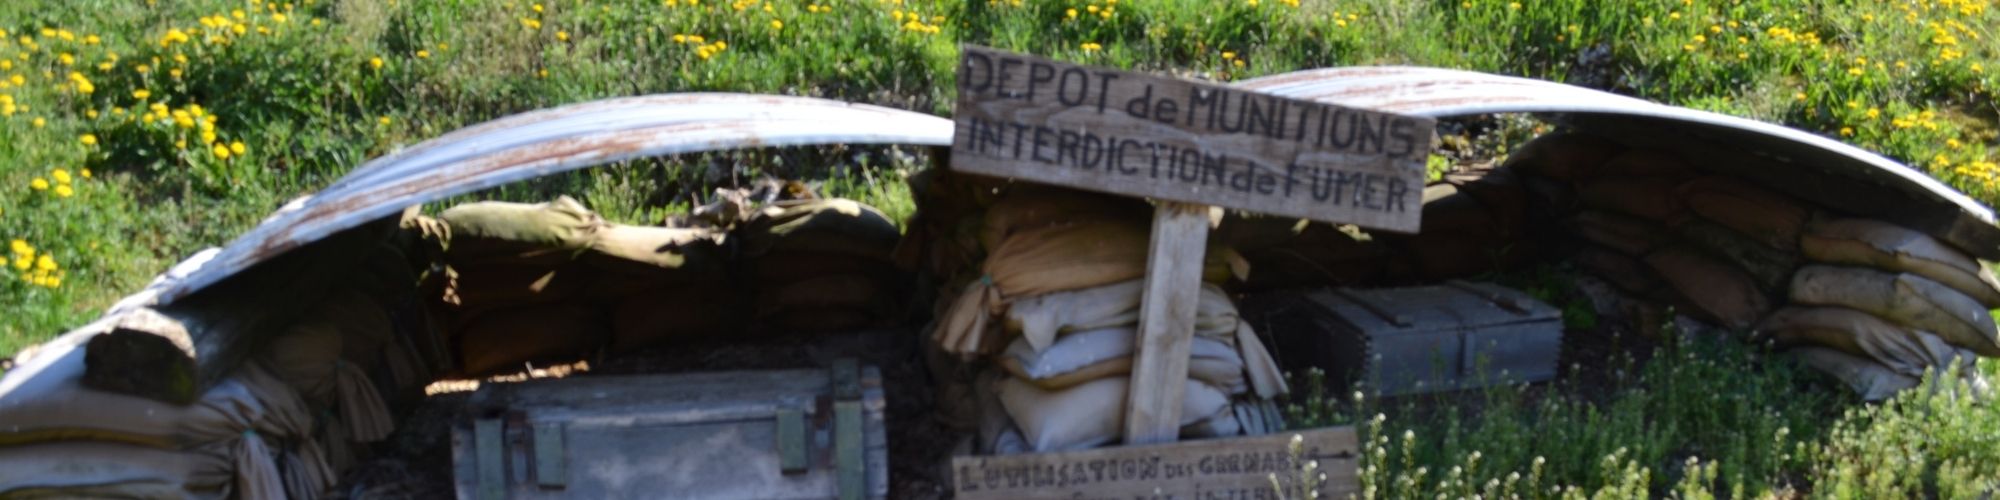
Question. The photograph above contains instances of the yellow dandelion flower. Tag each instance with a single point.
(777, 25)
(21, 246)
(1228, 55)
(39, 184)
(375, 63)
(562, 36)
(141, 94)
(84, 172)
(39, 122)
(64, 191)
(236, 147)
(220, 151)
(45, 263)
(61, 176)
(423, 54)
(680, 38)
(1071, 13)
(384, 120)
(1874, 113)
(23, 263)
(88, 139)
(1847, 131)
(537, 8)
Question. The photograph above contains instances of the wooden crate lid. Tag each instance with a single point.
(1450, 306)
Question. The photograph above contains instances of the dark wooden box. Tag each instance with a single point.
(1457, 335)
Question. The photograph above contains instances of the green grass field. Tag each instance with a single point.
(134, 132)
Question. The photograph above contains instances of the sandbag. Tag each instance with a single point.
(1041, 317)
(1090, 414)
(552, 231)
(669, 314)
(1627, 235)
(1906, 299)
(43, 401)
(830, 225)
(1458, 213)
(1619, 270)
(308, 357)
(1503, 195)
(503, 340)
(1650, 198)
(1030, 207)
(1565, 155)
(1905, 351)
(1767, 217)
(1647, 162)
(659, 254)
(1088, 355)
(1771, 268)
(507, 286)
(86, 469)
(1716, 289)
(1075, 256)
(1869, 380)
(1890, 247)
(785, 266)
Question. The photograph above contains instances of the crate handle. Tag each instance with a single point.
(792, 441)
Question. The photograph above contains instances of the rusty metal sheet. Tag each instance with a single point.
(571, 137)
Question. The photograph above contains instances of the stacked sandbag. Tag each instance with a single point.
(1473, 222)
(249, 436)
(1869, 302)
(326, 358)
(821, 265)
(1052, 311)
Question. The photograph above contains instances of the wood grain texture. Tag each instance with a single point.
(1137, 134)
(1210, 468)
(1166, 323)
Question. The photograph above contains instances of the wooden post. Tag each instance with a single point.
(1166, 323)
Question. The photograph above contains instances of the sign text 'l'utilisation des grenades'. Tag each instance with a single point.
(1137, 134)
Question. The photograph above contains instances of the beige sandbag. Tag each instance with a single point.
(1565, 155)
(1087, 355)
(1716, 289)
(87, 469)
(1768, 217)
(1869, 380)
(1090, 414)
(1906, 299)
(830, 225)
(659, 254)
(552, 231)
(1770, 267)
(308, 357)
(504, 340)
(1650, 198)
(1627, 235)
(677, 313)
(1041, 317)
(1074, 256)
(1030, 207)
(1905, 351)
(1891, 247)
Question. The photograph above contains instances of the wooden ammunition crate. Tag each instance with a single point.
(753, 434)
(1457, 335)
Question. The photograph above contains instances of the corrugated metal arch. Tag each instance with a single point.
(544, 142)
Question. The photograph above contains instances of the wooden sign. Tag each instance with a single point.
(1234, 468)
(1036, 119)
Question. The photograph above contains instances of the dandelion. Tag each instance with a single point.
(375, 63)
(1091, 47)
(384, 120)
(61, 176)
(1847, 131)
(1228, 55)
(1874, 113)
(1071, 13)
(39, 122)
(141, 94)
(84, 172)
(64, 191)
(1514, 6)
(237, 148)
(39, 184)
(221, 151)
(561, 36)
(423, 54)
(88, 139)
(777, 25)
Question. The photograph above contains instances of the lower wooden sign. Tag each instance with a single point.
(1233, 468)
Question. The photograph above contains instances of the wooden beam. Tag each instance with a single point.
(1166, 323)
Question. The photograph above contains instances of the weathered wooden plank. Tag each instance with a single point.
(1212, 468)
(1137, 134)
(550, 469)
(1166, 323)
(200, 339)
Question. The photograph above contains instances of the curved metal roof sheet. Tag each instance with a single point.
(544, 142)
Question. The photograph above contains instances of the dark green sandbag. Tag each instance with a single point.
(540, 232)
(830, 225)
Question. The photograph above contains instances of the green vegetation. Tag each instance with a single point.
(134, 133)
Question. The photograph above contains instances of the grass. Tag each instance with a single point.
(141, 94)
